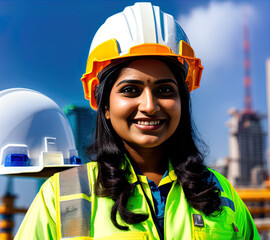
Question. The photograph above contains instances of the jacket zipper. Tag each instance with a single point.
(161, 236)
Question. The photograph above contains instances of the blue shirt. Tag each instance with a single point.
(159, 195)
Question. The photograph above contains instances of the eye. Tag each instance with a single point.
(165, 90)
(130, 91)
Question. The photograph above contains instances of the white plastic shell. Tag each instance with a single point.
(34, 125)
(138, 24)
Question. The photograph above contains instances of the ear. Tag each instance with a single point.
(107, 113)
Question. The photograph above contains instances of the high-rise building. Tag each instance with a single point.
(246, 148)
(82, 121)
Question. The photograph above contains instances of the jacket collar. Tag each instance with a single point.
(135, 177)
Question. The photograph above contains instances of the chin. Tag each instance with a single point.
(149, 144)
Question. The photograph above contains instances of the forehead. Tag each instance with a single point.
(150, 69)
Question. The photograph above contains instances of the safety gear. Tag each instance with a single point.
(140, 30)
(35, 133)
(71, 210)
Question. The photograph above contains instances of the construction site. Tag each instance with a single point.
(247, 165)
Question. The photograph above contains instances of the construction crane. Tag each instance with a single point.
(7, 211)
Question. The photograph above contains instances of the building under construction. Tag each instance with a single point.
(246, 160)
(246, 149)
(246, 165)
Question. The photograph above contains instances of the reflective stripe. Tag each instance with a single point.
(75, 202)
(75, 218)
(74, 180)
(75, 196)
(226, 202)
(213, 178)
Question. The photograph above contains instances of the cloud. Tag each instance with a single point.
(216, 31)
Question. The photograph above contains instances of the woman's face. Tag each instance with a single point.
(145, 106)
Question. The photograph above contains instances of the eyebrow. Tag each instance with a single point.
(166, 81)
(160, 81)
(130, 81)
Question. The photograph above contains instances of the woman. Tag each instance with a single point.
(147, 179)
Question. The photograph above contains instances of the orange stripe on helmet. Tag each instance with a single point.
(102, 55)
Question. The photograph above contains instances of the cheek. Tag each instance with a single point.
(174, 111)
(121, 108)
(177, 114)
(173, 107)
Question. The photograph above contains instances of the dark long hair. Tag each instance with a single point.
(183, 148)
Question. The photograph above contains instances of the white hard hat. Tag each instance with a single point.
(140, 30)
(35, 133)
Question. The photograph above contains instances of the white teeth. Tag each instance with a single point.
(147, 123)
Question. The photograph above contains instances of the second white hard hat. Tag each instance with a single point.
(35, 133)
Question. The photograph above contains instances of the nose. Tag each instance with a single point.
(148, 103)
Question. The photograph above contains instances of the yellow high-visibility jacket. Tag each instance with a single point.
(67, 208)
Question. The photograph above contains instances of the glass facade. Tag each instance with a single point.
(82, 121)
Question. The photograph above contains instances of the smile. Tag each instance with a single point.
(149, 123)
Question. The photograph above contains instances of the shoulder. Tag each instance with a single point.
(228, 194)
(85, 169)
(91, 166)
(46, 193)
(217, 175)
(76, 180)
(228, 191)
(67, 178)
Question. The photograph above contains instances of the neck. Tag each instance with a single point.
(152, 162)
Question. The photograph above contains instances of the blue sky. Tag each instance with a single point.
(44, 46)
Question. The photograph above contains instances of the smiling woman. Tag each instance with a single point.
(147, 178)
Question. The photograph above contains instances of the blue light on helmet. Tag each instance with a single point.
(75, 160)
(17, 160)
